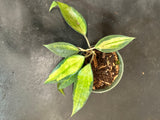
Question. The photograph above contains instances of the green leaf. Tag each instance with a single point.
(67, 81)
(62, 49)
(54, 4)
(59, 64)
(73, 18)
(82, 88)
(68, 67)
(113, 43)
(60, 90)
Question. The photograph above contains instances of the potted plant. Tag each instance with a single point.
(97, 69)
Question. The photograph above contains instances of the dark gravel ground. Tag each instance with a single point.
(25, 25)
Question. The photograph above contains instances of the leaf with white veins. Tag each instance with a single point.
(113, 43)
(62, 49)
(73, 18)
(69, 66)
(82, 88)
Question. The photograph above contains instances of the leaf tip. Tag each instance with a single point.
(54, 4)
(45, 46)
(72, 114)
(132, 38)
(63, 94)
(61, 91)
(49, 80)
(45, 82)
(74, 111)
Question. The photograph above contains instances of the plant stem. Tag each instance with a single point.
(93, 53)
(84, 50)
(81, 49)
(88, 55)
(91, 48)
(87, 41)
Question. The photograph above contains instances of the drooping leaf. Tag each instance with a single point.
(73, 18)
(82, 88)
(69, 66)
(113, 43)
(67, 81)
(54, 4)
(60, 90)
(62, 49)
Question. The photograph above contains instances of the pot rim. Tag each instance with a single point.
(117, 80)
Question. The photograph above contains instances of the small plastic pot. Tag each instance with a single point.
(116, 81)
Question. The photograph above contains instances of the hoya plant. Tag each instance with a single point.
(72, 69)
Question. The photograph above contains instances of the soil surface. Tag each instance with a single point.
(105, 68)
